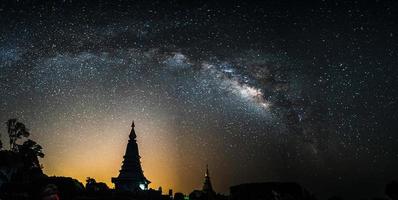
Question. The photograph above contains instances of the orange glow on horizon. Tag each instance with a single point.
(102, 159)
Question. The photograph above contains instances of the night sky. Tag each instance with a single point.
(272, 91)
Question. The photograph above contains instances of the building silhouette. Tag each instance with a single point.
(207, 192)
(131, 177)
(207, 187)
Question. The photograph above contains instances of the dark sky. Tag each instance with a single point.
(271, 91)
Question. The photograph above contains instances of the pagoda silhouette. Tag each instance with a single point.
(207, 187)
(131, 177)
(207, 192)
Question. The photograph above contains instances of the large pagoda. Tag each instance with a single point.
(131, 177)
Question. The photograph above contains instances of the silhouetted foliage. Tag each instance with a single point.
(32, 146)
(20, 165)
(30, 150)
(197, 195)
(50, 192)
(392, 190)
(93, 187)
(67, 187)
(10, 163)
(16, 130)
(178, 196)
(64, 187)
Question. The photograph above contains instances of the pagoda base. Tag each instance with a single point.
(129, 184)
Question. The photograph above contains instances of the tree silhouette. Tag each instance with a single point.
(16, 130)
(30, 151)
(93, 187)
(179, 196)
(90, 181)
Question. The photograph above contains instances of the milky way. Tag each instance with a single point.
(268, 92)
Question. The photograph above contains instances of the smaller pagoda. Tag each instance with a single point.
(207, 188)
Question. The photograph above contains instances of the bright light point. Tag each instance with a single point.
(142, 186)
(265, 105)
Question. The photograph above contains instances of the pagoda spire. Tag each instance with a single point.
(131, 177)
(132, 132)
(207, 187)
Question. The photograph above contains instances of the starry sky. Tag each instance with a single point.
(271, 91)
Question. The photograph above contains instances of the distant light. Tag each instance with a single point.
(266, 105)
(142, 186)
